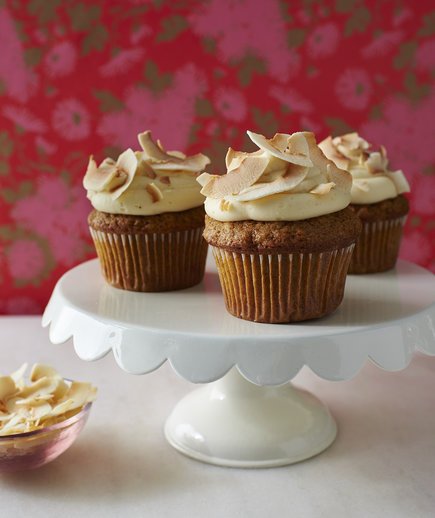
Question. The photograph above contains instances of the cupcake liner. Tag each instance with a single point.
(152, 262)
(377, 247)
(278, 288)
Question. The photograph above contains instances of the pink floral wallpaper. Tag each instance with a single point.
(84, 77)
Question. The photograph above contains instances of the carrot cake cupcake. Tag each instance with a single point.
(148, 217)
(376, 198)
(280, 230)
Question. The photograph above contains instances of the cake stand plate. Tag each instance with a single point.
(249, 418)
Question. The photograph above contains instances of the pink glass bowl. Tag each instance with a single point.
(31, 450)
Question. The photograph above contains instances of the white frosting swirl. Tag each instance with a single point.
(277, 207)
(147, 182)
(372, 180)
(289, 179)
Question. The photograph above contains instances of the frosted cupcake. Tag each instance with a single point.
(148, 217)
(280, 230)
(377, 199)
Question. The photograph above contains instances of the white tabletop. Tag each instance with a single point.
(381, 465)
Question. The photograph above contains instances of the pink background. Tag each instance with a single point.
(80, 78)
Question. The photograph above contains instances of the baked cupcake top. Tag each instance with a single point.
(372, 180)
(145, 183)
(287, 179)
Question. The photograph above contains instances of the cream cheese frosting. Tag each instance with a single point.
(372, 180)
(287, 179)
(147, 182)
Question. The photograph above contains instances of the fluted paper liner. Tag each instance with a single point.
(377, 247)
(278, 288)
(152, 262)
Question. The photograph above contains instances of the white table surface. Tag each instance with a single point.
(381, 465)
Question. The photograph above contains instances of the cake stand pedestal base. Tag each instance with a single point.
(232, 422)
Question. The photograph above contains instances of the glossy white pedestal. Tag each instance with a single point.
(233, 422)
(384, 317)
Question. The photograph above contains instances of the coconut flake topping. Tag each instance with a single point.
(146, 182)
(353, 153)
(281, 165)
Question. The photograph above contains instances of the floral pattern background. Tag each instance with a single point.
(84, 77)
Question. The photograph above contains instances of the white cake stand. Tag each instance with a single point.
(248, 418)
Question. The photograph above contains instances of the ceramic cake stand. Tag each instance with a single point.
(251, 416)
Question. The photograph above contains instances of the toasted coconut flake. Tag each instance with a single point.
(144, 169)
(99, 178)
(249, 171)
(7, 387)
(333, 154)
(61, 408)
(261, 190)
(323, 188)
(111, 176)
(40, 370)
(171, 160)
(37, 411)
(126, 166)
(151, 149)
(282, 184)
(177, 154)
(233, 159)
(154, 192)
(280, 141)
(80, 393)
(60, 390)
(230, 156)
(351, 145)
(399, 180)
(205, 178)
(16, 424)
(341, 178)
(298, 149)
(32, 400)
(376, 162)
(108, 162)
(11, 405)
(295, 174)
(193, 164)
(165, 180)
(17, 375)
(39, 388)
(291, 148)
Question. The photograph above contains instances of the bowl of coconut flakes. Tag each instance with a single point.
(40, 416)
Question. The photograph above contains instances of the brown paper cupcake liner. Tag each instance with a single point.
(152, 262)
(278, 288)
(377, 247)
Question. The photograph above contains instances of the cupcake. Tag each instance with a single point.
(280, 229)
(148, 217)
(376, 198)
